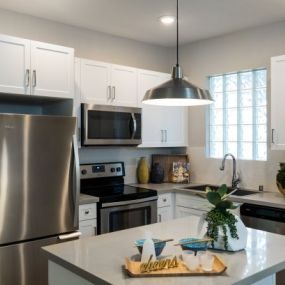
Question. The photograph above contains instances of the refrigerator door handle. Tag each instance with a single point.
(70, 236)
(76, 181)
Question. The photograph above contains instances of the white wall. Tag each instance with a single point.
(241, 50)
(87, 43)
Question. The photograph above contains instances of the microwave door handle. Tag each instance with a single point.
(134, 125)
(76, 181)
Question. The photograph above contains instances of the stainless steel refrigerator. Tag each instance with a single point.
(39, 188)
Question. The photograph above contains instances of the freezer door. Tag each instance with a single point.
(38, 192)
(25, 263)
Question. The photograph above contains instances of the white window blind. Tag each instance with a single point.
(237, 120)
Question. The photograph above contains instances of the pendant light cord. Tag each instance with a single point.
(177, 35)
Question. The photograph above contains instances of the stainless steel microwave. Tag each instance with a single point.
(110, 125)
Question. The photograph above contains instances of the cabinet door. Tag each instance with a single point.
(152, 116)
(52, 70)
(181, 212)
(164, 214)
(148, 79)
(88, 228)
(15, 65)
(175, 126)
(278, 102)
(95, 85)
(124, 86)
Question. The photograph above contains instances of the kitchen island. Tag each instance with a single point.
(98, 260)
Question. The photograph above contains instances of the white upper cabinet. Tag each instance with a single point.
(277, 102)
(30, 67)
(95, 81)
(124, 86)
(105, 83)
(14, 65)
(52, 70)
(148, 79)
(161, 126)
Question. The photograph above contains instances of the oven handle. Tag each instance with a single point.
(122, 203)
(134, 125)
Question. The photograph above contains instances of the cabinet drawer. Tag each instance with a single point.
(87, 212)
(88, 227)
(164, 200)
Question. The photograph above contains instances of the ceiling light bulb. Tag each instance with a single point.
(167, 20)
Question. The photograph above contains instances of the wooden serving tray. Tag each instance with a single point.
(132, 268)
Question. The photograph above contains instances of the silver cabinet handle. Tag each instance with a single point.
(159, 218)
(272, 135)
(34, 78)
(27, 78)
(162, 137)
(70, 236)
(114, 93)
(164, 200)
(95, 231)
(165, 135)
(87, 212)
(109, 96)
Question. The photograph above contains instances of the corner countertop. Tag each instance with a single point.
(87, 199)
(265, 198)
(99, 259)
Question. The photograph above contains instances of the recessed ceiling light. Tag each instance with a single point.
(167, 20)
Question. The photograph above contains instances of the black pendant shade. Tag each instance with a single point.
(177, 91)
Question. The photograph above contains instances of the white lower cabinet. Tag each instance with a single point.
(88, 219)
(88, 228)
(165, 207)
(164, 214)
(181, 212)
(189, 205)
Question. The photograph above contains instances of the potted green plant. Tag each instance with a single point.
(280, 178)
(223, 226)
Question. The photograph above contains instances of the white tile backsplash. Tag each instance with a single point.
(129, 155)
(252, 173)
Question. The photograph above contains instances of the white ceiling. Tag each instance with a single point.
(138, 19)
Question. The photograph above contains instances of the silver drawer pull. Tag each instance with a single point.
(70, 236)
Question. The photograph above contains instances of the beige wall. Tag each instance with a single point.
(241, 50)
(88, 44)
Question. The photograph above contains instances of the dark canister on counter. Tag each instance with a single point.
(157, 173)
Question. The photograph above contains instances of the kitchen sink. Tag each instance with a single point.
(239, 192)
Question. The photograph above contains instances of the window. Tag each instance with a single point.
(237, 120)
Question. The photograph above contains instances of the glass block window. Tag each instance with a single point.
(237, 120)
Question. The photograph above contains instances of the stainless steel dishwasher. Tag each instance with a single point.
(269, 219)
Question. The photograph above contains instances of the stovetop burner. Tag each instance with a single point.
(105, 181)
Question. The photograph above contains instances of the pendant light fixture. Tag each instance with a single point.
(177, 91)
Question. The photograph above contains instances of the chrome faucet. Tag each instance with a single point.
(235, 179)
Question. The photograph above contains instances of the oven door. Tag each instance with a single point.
(110, 125)
(127, 214)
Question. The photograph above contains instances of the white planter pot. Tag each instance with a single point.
(233, 244)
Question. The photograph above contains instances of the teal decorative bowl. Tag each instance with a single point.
(193, 246)
(157, 246)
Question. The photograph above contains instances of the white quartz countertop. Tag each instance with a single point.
(265, 198)
(99, 259)
(87, 199)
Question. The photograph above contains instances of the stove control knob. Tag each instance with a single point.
(83, 171)
(118, 169)
(112, 169)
